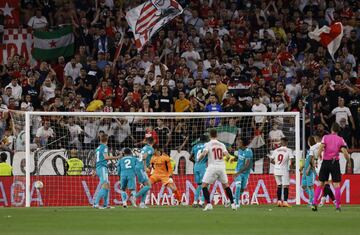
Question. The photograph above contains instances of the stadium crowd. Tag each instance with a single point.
(218, 56)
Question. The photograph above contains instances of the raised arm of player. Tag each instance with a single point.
(108, 157)
(203, 154)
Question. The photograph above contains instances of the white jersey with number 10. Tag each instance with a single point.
(281, 156)
(216, 152)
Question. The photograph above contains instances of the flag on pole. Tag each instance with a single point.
(146, 19)
(329, 37)
(50, 45)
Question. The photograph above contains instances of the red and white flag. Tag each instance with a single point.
(329, 37)
(10, 10)
(146, 19)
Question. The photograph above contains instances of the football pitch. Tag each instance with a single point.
(247, 220)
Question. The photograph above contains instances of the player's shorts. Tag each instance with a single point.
(160, 178)
(330, 168)
(103, 174)
(242, 180)
(308, 180)
(282, 179)
(128, 182)
(142, 176)
(214, 173)
(199, 173)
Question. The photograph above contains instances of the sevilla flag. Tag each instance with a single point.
(146, 19)
(10, 10)
(329, 37)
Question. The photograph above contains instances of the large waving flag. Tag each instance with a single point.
(50, 45)
(146, 19)
(329, 37)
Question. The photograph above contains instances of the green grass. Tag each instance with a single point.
(247, 220)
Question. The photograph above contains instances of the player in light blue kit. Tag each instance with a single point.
(145, 156)
(199, 169)
(148, 151)
(244, 158)
(308, 170)
(102, 156)
(126, 170)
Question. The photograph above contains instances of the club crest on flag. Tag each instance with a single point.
(146, 19)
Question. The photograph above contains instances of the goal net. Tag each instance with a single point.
(53, 154)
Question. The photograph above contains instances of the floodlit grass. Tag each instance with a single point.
(180, 220)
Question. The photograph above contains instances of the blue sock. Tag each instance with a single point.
(142, 193)
(311, 194)
(197, 193)
(106, 197)
(123, 196)
(99, 196)
(237, 194)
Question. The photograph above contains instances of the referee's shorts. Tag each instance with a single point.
(330, 167)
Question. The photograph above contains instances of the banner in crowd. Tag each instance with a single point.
(146, 19)
(81, 191)
(16, 41)
(51, 45)
(11, 12)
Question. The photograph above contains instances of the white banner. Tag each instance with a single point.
(16, 41)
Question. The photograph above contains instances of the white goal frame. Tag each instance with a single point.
(28, 116)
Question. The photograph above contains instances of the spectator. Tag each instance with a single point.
(91, 126)
(258, 107)
(47, 91)
(72, 69)
(44, 134)
(75, 131)
(164, 134)
(33, 90)
(165, 100)
(182, 104)
(275, 136)
(5, 168)
(342, 112)
(38, 21)
(158, 68)
(7, 95)
(146, 108)
(191, 56)
(16, 90)
(103, 91)
(26, 105)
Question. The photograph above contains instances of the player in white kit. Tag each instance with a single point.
(281, 157)
(216, 170)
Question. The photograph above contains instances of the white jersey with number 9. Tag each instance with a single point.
(281, 156)
(216, 152)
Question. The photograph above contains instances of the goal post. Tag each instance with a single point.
(196, 123)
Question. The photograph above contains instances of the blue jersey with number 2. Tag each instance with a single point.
(126, 166)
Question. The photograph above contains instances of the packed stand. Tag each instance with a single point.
(218, 56)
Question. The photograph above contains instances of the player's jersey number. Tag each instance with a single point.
(218, 153)
(280, 158)
(127, 163)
